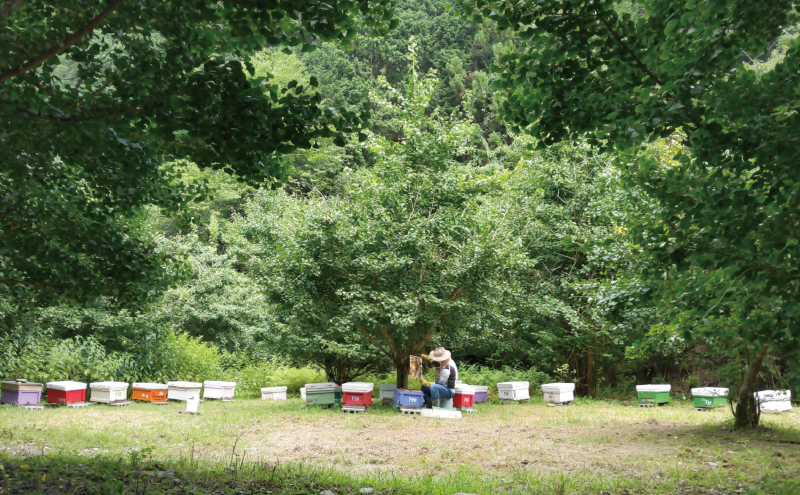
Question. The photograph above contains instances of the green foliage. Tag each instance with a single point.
(251, 375)
(96, 97)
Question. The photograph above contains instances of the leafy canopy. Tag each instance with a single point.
(94, 96)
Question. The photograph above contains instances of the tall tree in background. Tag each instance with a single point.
(95, 95)
(724, 227)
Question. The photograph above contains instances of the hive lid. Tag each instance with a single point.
(653, 388)
(388, 387)
(359, 387)
(513, 385)
(710, 392)
(773, 395)
(108, 385)
(481, 388)
(406, 391)
(212, 383)
(320, 387)
(23, 386)
(150, 386)
(558, 387)
(271, 390)
(66, 386)
(184, 384)
(464, 389)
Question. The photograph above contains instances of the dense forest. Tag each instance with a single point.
(441, 213)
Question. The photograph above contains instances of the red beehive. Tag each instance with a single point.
(66, 392)
(464, 395)
(357, 394)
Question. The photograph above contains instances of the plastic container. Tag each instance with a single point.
(464, 395)
(183, 390)
(710, 397)
(653, 394)
(441, 413)
(273, 393)
(303, 393)
(192, 403)
(107, 392)
(149, 392)
(481, 394)
(514, 390)
(387, 391)
(20, 393)
(558, 393)
(218, 390)
(774, 400)
(320, 394)
(66, 392)
(408, 398)
(357, 393)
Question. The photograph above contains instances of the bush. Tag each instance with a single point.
(173, 356)
(250, 375)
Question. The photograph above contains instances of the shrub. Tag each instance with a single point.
(251, 375)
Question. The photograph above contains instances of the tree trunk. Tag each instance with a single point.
(747, 411)
(403, 367)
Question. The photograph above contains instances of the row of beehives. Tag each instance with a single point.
(24, 393)
(710, 397)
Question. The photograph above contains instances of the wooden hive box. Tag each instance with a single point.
(558, 393)
(107, 392)
(514, 390)
(66, 392)
(20, 393)
(653, 394)
(183, 390)
(218, 390)
(273, 393)
(710, 397)
(320, 394)
(481, 393)
(464, 395)
(149, 392)
(357, 393)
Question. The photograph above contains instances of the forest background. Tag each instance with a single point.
(439, 225)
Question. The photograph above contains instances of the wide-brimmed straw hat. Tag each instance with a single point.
(440, 354)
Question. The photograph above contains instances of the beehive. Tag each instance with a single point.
(149, 392)
(357, 393)
(481, 393)
(710, 397)
(408, 398)
(387, 393)
(20, 393)
(558, 393)
(514, 390)
(464, 395)
(274, 393)
(66, 392)
(183, 390)
(653, 394)
(320, 394)
(218, 390)
(107, 392)
(774, 400)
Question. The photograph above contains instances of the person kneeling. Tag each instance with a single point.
(446, 375)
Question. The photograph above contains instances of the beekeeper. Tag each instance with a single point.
(446, 376)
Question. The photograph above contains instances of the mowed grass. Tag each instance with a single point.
(586, 447)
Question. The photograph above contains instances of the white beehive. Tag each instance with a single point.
(106, 392)
(273, 393)
(218, 390)
(514, 390)
(183, 390)
(774, 400)
(558, 393)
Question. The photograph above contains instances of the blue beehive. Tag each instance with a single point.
(408, 398)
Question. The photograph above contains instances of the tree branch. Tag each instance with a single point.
(374, 342)
(59, 47)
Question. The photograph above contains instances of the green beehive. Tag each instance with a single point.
(710, 397)
(653, 395)
(320, 394)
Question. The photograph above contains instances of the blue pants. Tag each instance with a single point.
(436, 391)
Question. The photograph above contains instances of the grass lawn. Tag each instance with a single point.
(586, 447)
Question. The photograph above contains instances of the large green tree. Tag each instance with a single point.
(407, 252)
(95, 96)
(724, 221)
